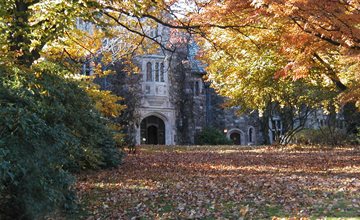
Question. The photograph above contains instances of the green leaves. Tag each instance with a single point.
(48, 127)
(211, 136)
(48, 124)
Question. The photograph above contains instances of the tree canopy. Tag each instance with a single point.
(308, 34)
(289, 53)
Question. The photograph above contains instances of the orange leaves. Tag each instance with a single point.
(331, 21)
(226, 183)
(296, 30)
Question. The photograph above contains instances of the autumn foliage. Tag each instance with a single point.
(315, 38)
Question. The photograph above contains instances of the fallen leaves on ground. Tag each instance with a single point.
(226, 183)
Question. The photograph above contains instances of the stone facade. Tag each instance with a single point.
(176, 103)
(156, 101)
(245, 128)
(170, 102)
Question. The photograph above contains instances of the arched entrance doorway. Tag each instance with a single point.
(152, 130)
(236, 138)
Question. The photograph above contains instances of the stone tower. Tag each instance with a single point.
(157, 112)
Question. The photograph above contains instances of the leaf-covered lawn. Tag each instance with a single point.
(225, 183)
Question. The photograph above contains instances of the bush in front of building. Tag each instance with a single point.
(211, 136)
(324, 136)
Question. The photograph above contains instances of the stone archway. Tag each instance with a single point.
(152, 130)
(236, 138)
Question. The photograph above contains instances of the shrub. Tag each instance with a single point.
(211, 136)
(32, 177)
(324, 136)
(48, 129)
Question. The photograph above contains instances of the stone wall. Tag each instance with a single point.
(188, 97)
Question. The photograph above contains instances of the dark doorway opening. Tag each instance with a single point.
(152, 135)
(236, 138)
(152, 131)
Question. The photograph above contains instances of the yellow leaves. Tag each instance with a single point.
(118, 135)
(82, 44)
(244, 211)
(106, 102)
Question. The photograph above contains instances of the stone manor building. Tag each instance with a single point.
(169, 102)
(174, 102)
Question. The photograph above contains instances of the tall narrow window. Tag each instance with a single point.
(157, 72)
(197, 88)
(148, 72)
(162, 72)
(250, 135)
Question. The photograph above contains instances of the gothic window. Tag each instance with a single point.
(162, 72)
(197, 88)
(149, 72)
(276, 125)
(275, 129)
(157, 72)
(251, 133)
